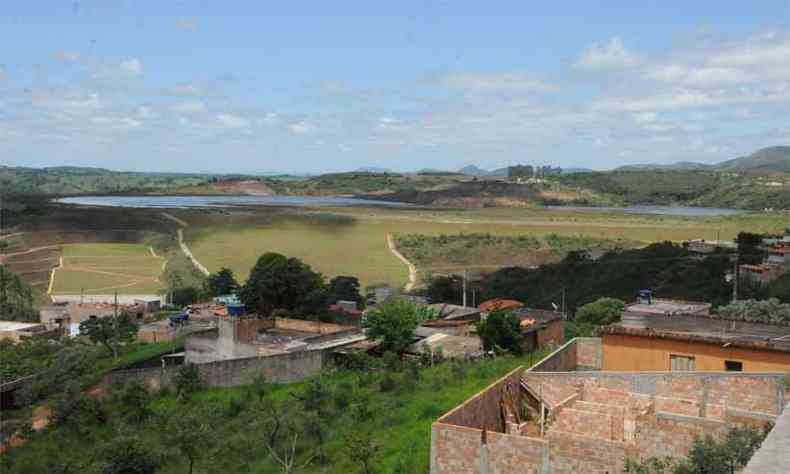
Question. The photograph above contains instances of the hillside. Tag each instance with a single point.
(774, 159)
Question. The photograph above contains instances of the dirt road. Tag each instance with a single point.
(412, 269)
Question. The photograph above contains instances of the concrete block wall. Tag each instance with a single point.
(280, 368)
(483, 410)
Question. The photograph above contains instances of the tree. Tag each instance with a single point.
(758, 311)
(189, 432)
(392, 323)
(444, 289)
(279, 282)
(126, 455)
(362, 450)
(344, 288)
(187, 381)
(109, 331)
(132, 401)
(16, 297)
(220, 283)
(501, 329)
(600, 312)
(749, 250)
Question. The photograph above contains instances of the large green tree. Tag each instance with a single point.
(344, 288)
(222, 282)
(16, 297)
(392, 323)
(600, 312)
(501, 330)
(279, 282)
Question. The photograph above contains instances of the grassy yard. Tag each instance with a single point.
(398, 420)
(108, 268)
(355, 241)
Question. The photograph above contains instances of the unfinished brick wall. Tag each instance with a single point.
(561, 360)
(569, 453)
(662, 435)
(483, 410)
(589, 353)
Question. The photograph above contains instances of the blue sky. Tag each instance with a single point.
(321, 86)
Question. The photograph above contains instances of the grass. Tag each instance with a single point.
(399, 421)
(107, 268)
(357, 245)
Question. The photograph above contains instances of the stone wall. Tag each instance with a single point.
(280, 368)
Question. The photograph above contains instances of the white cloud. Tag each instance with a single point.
(301, 128)
(131, 67)
(233, 121)
(188, 107)
(496, 82)
(68, 101)
(612, 55)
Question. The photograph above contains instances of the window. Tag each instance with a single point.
(733, 366)
(679, 363)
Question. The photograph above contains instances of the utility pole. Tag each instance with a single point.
(563, 304)
(464, 289)
(735, 278)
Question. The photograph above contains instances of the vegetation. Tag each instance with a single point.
(382, 431)
(277, 282)
(758, 311)
(16, 297)
(110, 331)
(707, 455)
(600, 312)
(345, 288)
(501, 331)
(222, 282)
(393, 323)
(669, 269)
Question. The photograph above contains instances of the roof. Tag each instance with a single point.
(537, 315)
(705, 329)
(755, 268)
(780, 250)
(499, 303)
(336, 308)
(454, 311)
(452, 346)
(17, 326)
(662, 306)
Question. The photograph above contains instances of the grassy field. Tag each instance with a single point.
(100, 268)
(352, 241)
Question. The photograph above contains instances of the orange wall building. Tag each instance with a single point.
(687, 343)
(645, 353)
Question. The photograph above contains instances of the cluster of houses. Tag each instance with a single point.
(775, 264)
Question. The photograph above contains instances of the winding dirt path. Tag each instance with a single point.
(183, 225)
(412, 269)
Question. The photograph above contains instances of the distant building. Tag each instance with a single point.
(541, 328)
(688, 342)
(649, 305)
(779, 256)
(763, 273)
(456, 312)
(710, 246)
(148, 305)
(18, 331)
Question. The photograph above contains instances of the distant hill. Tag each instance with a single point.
(473, 170)
(498, 172)
(576, 170)
(372, 169)
(771, 159)
(775, 159)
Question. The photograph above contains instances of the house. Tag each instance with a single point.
(541, 328)
(18, 331)
(779, 256)
(148, 305)
(456, 312)
(709, 246)
(499, 304)
(763, 273)
(688, 342)
(565, 415)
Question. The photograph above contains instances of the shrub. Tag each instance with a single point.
(187, 381)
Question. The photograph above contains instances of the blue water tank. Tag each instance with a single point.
(236, 309)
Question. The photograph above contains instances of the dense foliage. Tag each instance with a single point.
(16, 297)
(669, 269)
(110, 331)
(341, 422)
(392, 323)
(345, 288)
(277, 282)
(501, 331)
(222, 282)
(758, 311)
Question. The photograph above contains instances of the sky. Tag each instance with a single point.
(263, 86)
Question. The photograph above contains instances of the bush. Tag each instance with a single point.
(501, 330)
(387, 383)
(187, 381)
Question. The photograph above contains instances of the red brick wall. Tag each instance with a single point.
(570, 453)
(588, 352)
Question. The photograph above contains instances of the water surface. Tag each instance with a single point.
(181, 202)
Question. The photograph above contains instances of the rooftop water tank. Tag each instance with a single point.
(236, 309)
